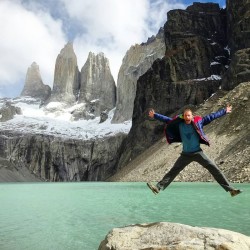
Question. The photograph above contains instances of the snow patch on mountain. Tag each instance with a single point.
(56, 119)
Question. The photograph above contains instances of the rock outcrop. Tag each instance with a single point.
(138, 59)
(7, 112)
(238, 19)
(238, 32)
(66, 76)
(189, 73)
(97, 88)
(195, 43)
(51, 158)
(34, 86)
(173, 236)
(238, 71)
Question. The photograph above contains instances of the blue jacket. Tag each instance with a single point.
(172, 125)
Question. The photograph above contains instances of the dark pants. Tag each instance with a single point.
(202, 159)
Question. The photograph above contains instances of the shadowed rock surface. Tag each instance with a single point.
(238, 19)
(239, 69)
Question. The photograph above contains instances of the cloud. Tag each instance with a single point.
(27, 36)
(38, 30)
(108, 26)
(112, 26)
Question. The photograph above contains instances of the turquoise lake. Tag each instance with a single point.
(41, 216)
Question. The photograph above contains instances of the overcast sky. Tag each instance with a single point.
(36, 31)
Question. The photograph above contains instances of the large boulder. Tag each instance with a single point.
(173, 236)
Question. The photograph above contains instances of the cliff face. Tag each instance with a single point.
(52, 158)
(66, 76)
(189, 73)
(195, 43)
(97, 88)
(137, 61)
(238, 19)
(196, 40)
(238, 32)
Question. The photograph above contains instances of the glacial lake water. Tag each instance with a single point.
(41, 216)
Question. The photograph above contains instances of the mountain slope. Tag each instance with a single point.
(230, 144)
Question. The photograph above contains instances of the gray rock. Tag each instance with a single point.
(103, 116)
(238, 19)
(52, 158)
(173, 236)
(137, 61)
(34, 86)
(238, 71)
(66, 76)
(97, 86)
(8, 111)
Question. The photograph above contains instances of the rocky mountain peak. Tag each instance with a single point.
(138, 59)
(204, 7)
(66, 76)
(68, 51)
(34, 86)
(97, 87)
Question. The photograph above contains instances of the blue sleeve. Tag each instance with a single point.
(208, 118)
(162, 118)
